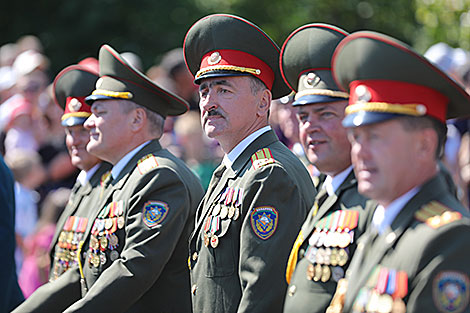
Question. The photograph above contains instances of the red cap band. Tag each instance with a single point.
(76, 106)
(398, 97)
(238, 61)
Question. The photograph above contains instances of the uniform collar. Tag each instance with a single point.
(230, 158)
(331, 184)
(84, 177)
(116, 170)
(384, 216)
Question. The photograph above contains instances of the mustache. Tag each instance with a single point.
(213, 112)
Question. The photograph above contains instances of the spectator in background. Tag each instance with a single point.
(181, 79)
(28, 174)
(456, 63)
(36, 264)
(195, 147)
(10, 293)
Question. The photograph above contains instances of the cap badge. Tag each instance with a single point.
(74, 105)
(99, 82)
(311, 80)
(362, 94)
(214, 58)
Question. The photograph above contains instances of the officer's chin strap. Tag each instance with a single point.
(80, 267)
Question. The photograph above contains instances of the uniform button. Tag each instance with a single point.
(194, 256)
(291, 290)
(193, 289)
(390, 238)
(301, 253)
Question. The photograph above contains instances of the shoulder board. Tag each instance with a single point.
(105, 176)
(436, 214)
(147, 163)
(261, 158)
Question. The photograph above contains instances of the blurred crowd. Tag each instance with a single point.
(32, 139)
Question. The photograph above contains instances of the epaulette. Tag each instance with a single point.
(436, 214)
(261, 158)
(104, 177)
(147, 163)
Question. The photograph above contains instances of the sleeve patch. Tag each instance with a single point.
(264, 221)
(154, 213)
(147, 163)
(436, 214)
(262, 158)
(451, 291)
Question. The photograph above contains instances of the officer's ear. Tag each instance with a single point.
(427, 143)
(138, 119)
(264, 102)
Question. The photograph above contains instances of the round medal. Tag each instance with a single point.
(108, 223)
(231, 211)
(327, 239)
(223, 212)
(94, 243)
(385, 303)
(314, 237)
(113, 255)
(214, 241)
(318, 272)
(334, 257)
(326, 273)
(120, 222)
(113, 241)
(95, 260)
(344, 239)
(398, 306)
(103, 243)
(236, 214)
(337, 273)
(310, 271)
(216, 210)
(327, 257)
(342, 257)
(206, 240)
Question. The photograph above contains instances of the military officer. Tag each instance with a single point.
(70, 87)
(327, 239)
(134, 257)
(259, 196)
(414, 256)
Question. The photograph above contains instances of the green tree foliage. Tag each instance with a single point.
(74, 29)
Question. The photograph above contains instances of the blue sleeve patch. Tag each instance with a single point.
(154, 212)
(451, 291)
(264, 221)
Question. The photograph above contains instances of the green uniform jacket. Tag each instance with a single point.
(245, 271)
(435, 259)
(82, 203)
(150, 273)
(308, 295)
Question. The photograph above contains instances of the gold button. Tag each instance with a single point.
(292, 290)
(194, 256)
(193, 289)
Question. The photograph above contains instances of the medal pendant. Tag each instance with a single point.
(223, 212)
(214, 241)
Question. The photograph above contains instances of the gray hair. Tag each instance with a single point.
(156, 121)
